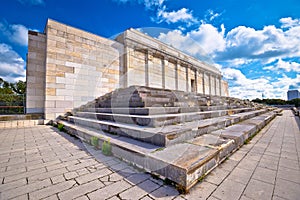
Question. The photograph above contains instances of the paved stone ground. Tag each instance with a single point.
(39, 162)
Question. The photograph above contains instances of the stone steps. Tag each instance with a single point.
(185, 162)
(177, 135)
(169, 134)
(158, 120)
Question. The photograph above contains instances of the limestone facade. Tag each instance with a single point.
(67, 67)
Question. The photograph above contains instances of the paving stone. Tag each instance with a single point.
(82, 171)
(115, 177)
(229, 190)
(22, 197)
(61, 165)
(82, 198)
(139, 190)
(13, 172)
(50, 190)
(286, 189)
(248, 164)
(114, 198)
(13, 184)
(109, 191)
(289, 174)
(217, 176)
(292, 164)
(200, 191)
(42, 165)
(36, 172)
(289, 155)
(228, 164)
(92, 176)
(80, 190)
(269, 164)
(264, 174)
(258, 190)
(25, 189)
(49, 174)
(164, 192)
(240, 175)
(52, 197)
(57, 179)
(81, 165)
(137, 178)
(70, 175)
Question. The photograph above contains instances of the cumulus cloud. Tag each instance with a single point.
(32, 2)
(275, 52)
(288, 66)
(11, 64)
(182, 15)
(266, 87)
(289, 22)
(16, 33)
(266, 45)
(201, 42)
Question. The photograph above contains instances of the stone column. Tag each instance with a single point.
(196, 80)
(209, 85)
(216, 85)
(203, 82)
(176, 75)
(147, 68)
(220, 86)
(125, 69)
(163, 72)
(187, 78)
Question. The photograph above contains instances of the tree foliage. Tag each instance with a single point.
(295, 102)
(12, 88)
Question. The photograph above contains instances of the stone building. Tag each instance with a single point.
(67, 67)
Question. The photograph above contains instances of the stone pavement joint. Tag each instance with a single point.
(41, 162)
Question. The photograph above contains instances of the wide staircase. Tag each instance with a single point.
(177, 135)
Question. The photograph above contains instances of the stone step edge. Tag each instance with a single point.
(170, 134)
(170, 114)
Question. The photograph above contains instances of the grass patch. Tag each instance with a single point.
(60, 127)
(158, 149)
(94, 141)
(106, 148)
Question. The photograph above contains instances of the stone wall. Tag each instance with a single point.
(79, 67)
(35, 72)
(67, 67)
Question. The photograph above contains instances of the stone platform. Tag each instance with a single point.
(176, 135)
(40, 162)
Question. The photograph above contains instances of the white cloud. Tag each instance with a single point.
(182, 15)
(288, 66)
(211, 15)
(32, 2)
(266, 45)
(245, 88)
(149, 4)
(16, 33)
(289, 22)
(199, 43)
(11, 64)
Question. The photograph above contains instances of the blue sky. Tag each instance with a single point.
(255, 43)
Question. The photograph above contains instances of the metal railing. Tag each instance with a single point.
(12, 104)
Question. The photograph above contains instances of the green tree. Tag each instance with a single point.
(18, 87)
